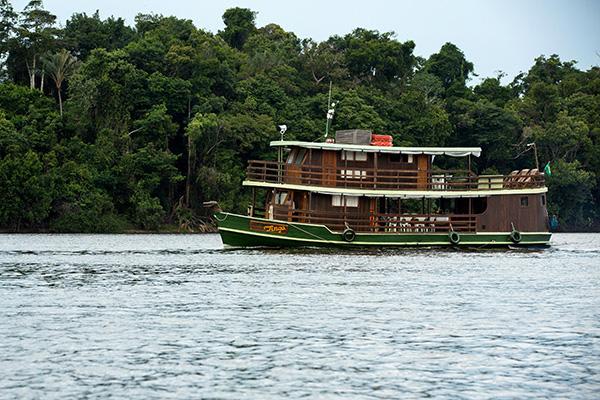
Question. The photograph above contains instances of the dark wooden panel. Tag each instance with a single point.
(503, 210)
(384, 161)
(422, 168)
(329, 168)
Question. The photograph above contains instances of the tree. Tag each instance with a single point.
(36, 35)
(548, 70)
(563, 138)
(495, 129)
(450, 65)
(239, 24)
(373, 56)
(428, 84)
(196, 130)
(60, 66)
(84, 33)
(27, 193)
(352, 112)
(156, 127)
(323, 61)
(570, 194)
(492, 90)
(8, 19)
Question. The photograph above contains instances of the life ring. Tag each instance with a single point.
(454, 237)
(349, 235)
(515, 236)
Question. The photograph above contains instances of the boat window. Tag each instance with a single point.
(401, 158)
(353, 174)
(360, 156)
(338, 201)
(354, 155)
(291, 156)
(351, 201)
(280, 198)
(479, 205)
(300, 156)
(524, 201)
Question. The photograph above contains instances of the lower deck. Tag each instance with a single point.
(501, 213)
(244, 231)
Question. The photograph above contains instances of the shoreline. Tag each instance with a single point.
(124, 232)
(166, 232)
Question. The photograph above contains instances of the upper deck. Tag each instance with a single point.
(381, 170)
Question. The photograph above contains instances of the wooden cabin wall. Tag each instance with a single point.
(387, 161)
(315, 157)
(384, 160)
(502, 210)
(322, 203)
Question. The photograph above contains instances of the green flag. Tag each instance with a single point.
(547, 169)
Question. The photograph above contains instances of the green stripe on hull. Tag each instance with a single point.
(235, 231)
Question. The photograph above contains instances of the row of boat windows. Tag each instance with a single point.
(281, 198)
(297, 156)
(479, 204)
(360, 156)
(354, 156)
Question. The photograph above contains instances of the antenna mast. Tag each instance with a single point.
(330, 112)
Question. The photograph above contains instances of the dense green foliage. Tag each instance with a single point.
(106, 127)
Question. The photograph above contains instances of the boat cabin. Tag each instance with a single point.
(360, 181)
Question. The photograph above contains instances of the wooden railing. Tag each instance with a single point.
(401, 223)
(388, 179)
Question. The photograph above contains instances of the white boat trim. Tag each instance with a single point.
(358, 242)
(402, 194)
(434, 151)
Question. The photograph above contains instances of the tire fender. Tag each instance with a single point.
(349, 235)
(454, 237)
(515, 236)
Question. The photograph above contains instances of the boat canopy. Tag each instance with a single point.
(434, 151)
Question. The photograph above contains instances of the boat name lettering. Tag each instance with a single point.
(268, 227)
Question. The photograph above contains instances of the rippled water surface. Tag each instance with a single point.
(174, 316)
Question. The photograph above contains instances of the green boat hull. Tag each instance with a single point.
(243, 231)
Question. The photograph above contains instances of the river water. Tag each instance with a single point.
(177, 316)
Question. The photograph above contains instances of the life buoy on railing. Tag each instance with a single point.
(454, 237)
(515, 236)
(349, 235)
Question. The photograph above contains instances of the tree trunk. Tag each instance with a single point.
(42, 82)
(60, 102)
(189, 173)
(31, 71)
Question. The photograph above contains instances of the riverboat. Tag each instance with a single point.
(360, 190)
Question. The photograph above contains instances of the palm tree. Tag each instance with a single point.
(60, 66)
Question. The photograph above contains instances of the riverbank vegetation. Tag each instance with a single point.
(106, 127)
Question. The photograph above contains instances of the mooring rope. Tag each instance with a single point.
(308, 233)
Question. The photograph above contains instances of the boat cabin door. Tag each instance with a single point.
(329, 167)
(422, 171)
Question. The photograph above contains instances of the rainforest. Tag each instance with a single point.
(106, 127)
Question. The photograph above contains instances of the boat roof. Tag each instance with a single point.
(434, 151)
